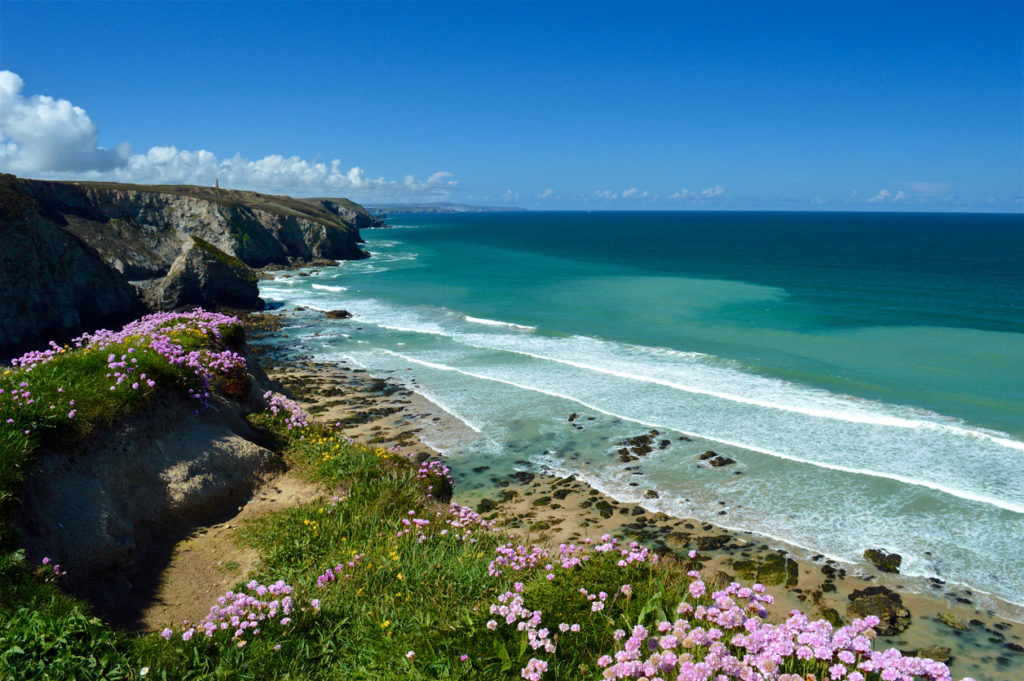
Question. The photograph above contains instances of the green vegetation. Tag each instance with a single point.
(231, 261)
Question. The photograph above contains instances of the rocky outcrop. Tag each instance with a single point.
(52, 285)
(110, 508)
(206, 276)
(883, 560)
(884, 603)
(82, 255)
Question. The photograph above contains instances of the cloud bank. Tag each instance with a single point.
(45, 137)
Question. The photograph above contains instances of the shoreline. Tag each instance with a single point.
(547, 509)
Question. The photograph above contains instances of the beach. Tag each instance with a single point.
(942, 621)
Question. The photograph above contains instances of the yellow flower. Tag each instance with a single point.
(400, 577)
(385, 624)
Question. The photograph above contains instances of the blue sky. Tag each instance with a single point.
(767, 105)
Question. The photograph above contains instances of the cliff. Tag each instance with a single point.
(78, 255)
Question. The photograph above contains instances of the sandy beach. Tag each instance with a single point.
(942, 621)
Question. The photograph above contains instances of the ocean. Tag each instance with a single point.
(865, 371)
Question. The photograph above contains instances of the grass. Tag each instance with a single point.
(382, 579)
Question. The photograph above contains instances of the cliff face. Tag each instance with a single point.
(70, 251)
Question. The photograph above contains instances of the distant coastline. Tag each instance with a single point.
(385, 209)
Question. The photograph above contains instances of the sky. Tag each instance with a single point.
(578, 106)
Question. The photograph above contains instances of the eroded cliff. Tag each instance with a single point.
(77, 255)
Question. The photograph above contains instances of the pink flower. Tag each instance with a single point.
(167, 633)
(411, 656)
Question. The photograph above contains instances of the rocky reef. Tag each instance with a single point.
(79, 255)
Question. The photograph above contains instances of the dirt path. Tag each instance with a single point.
(209, 562)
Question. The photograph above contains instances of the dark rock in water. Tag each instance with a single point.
(712, 543)
(573, 417)
(338, 314)
(485, 506)
(561, 493)
(1015, 647)
(664, 444)
(651, 494)
(885, 604)
(522, 477)
(677, 540)
(884, 561)
(950, 620)
(720, 461)
(937, 653)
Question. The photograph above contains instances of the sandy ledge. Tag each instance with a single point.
(981, 641)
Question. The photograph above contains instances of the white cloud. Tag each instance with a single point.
(685, 193)
(41, 133)
(900, 195)
(606, 194)
(712, 192)
(630, 193)
(881, 197)
(546, 194)
(44, 137)
(510, 195)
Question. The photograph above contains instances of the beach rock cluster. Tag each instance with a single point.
(885, 604)
(83, 255)
(884, 561)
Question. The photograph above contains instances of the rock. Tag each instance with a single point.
(708, 455)
(832, 616)
(772, 569)
(651, 494)
(950, 620)
(937, 653)
(712, 543)
(884, 603)
(485, 506)
(677, 540)
(206, 276)
(573, 417)
(52, 286)
(720, 461)
(338, 314)
(884, 561)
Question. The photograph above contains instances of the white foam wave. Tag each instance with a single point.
(327, 287)
(1015, 507)
(689, 372)
(494, 322)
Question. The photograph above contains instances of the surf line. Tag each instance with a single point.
(960, 494)
(882, 420)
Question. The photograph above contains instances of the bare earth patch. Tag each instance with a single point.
(209, 561)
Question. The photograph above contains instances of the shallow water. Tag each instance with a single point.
(865, 372)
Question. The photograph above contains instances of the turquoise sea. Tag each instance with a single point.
(866, 371)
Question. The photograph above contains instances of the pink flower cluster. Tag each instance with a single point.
(459, 522)
(729, 638)
(295, 416)
(339, 571)
(153, 334)
(244, 614)
(434, 469)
